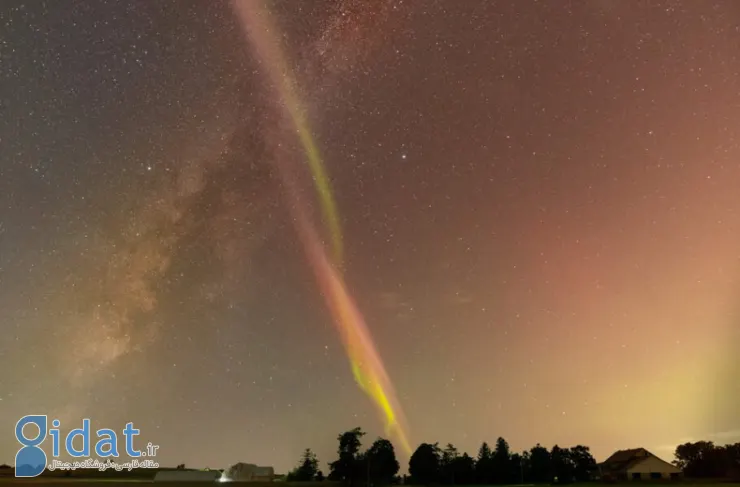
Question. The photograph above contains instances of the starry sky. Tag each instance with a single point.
(538, 203)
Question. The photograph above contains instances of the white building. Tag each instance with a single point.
(248, 472)
(637, 464)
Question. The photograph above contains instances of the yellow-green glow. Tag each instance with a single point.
(262, 31)
(367, 367)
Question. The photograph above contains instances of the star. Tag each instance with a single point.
(509, 197)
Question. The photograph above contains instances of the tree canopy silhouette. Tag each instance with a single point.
(346, 468)
(484, 465)
(307, 469)
(377, 466)
(424, 464)
(431, 465)
(380, 462)
(455, 468)
(703, 459)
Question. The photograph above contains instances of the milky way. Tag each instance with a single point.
(537, 202)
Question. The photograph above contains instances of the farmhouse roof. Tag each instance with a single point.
(625, 459)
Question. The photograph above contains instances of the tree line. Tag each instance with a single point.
(375, 466)
(433, 464)
(704, 459)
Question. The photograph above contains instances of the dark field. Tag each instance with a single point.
(51, 481)
(90, 478)
(61, 482)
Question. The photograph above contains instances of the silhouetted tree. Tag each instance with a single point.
(447, 465)
(703, 459)
(347, 468)
(456, 469)
(484, 465)
(430, 465)
(539, 460)
(464, 470)
(733, 460)
(526, 467)
(307, 469)
(516, 469)
(319, 476)
(689, 455)
(181, 467)
(562, 465)
(424, 464)
(501, 462)
(696, 459)
(584, 463)
(380, 462)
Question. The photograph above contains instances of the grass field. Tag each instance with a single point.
(60, 481)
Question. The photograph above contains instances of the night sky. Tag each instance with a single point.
(539, 207)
